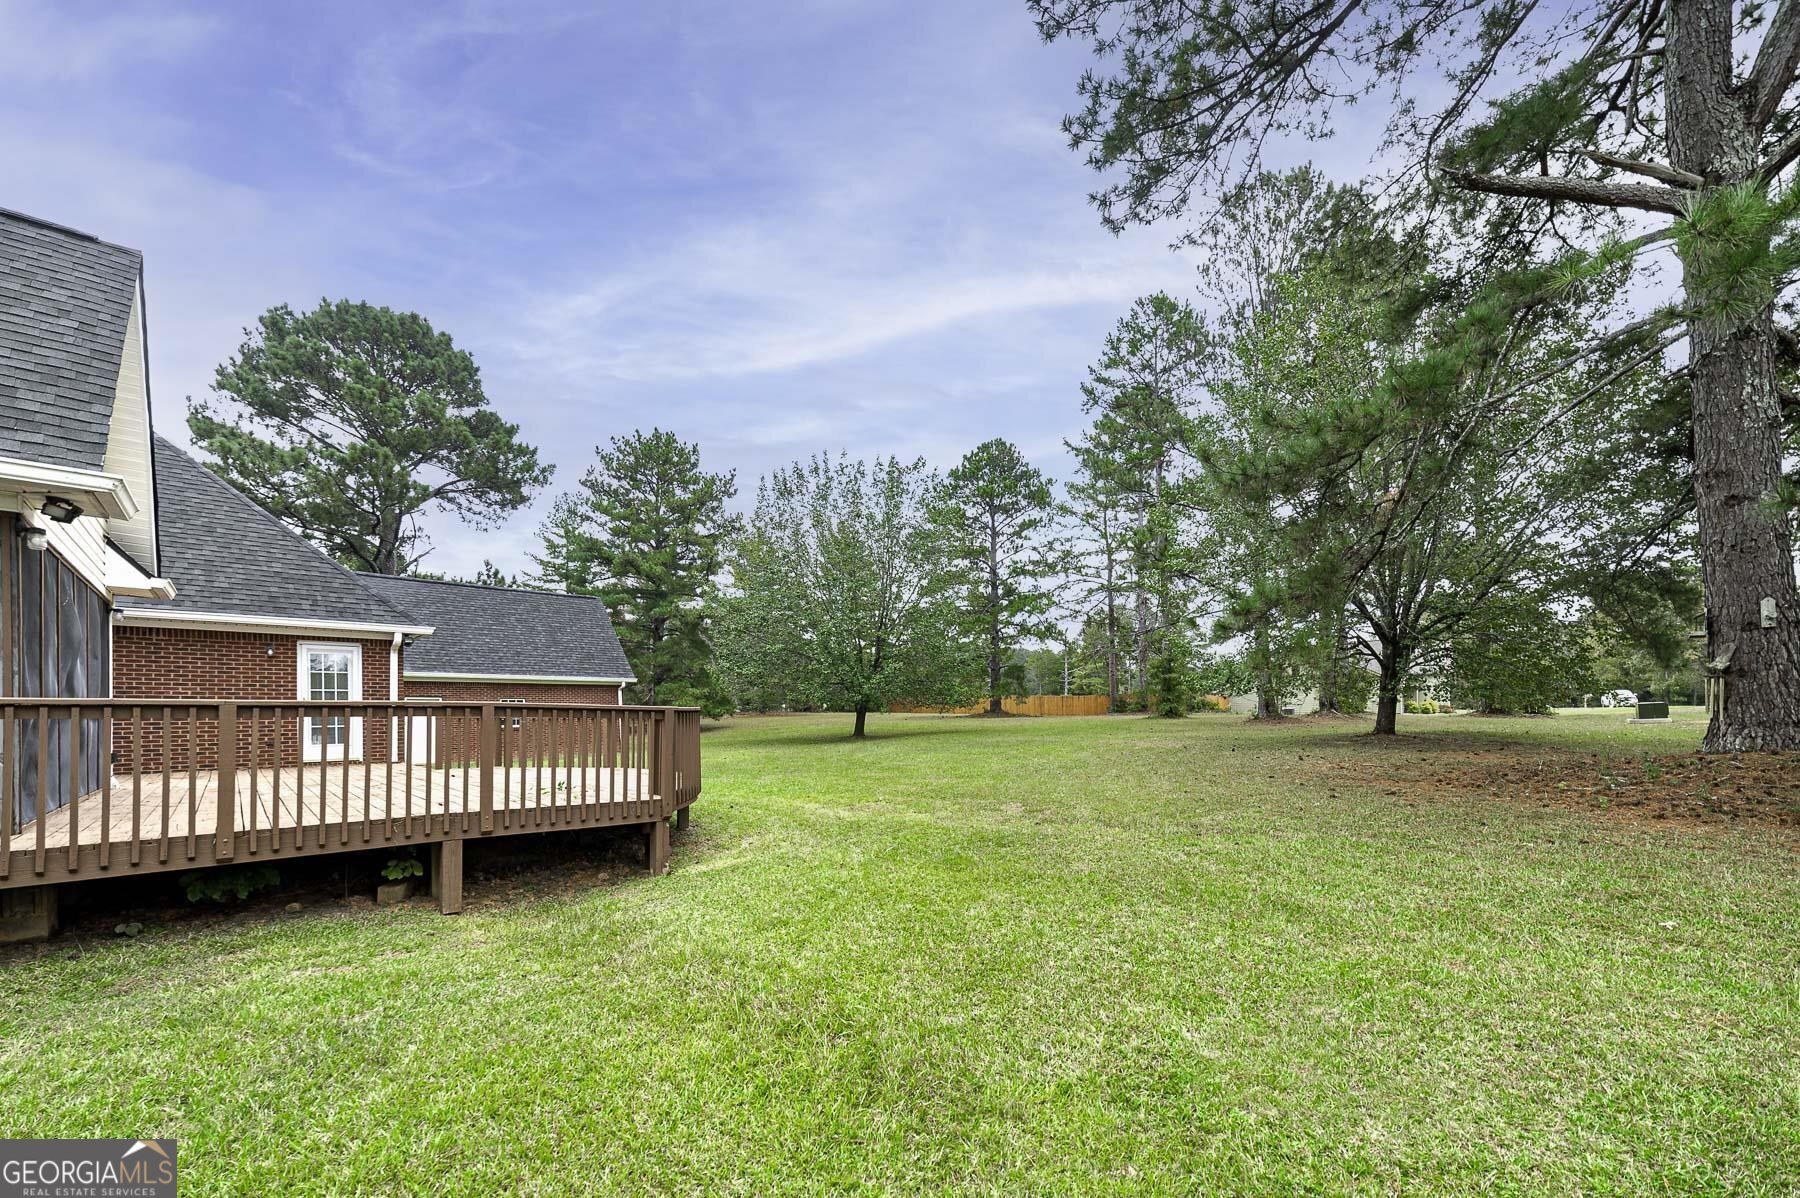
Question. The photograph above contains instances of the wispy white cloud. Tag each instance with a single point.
(42, 45)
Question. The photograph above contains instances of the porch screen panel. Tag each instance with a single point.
(61, 650)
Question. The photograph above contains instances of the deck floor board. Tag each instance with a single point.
(326, 805)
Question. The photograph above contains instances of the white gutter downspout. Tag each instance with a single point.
(394, 696)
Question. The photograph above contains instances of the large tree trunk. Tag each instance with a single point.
(862, 719)
(1387, 690)
(1746, 545)
(1268, 703)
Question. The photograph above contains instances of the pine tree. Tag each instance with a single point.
(645, 533)
(1143, 393)
(1551, 121)
(350, 422)
(998, 515)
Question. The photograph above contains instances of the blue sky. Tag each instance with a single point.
(773, 228)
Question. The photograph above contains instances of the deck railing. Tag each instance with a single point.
(106, 786)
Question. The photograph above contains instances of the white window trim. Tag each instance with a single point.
(353, 744)
(353, 648)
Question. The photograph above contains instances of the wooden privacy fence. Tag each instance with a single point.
(1021, 705)
(89, 787)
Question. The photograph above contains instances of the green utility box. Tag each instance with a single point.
(1651, 710)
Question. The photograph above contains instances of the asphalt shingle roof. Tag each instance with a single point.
(65, 304)
(495, 630)
(226, 555)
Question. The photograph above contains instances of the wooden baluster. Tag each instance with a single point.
(534, 733)
(387, 770)
(368, 730)
(74, 789)
(255, 777)
(568, 751)
(43, 786)
(137, 784)
(9, 753)
(166, 739)
(471, 734)
(580, 721)
(279, 723)
(490, 742)
(106, 787)
(509, 746)
(409, 750)
(193, 793)
(431, 735)
(344, 784)
(225, 823)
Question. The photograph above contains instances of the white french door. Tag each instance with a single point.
(330, 674)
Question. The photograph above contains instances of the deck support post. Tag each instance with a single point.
(681, 818)
(656, 846)
(447, 875)
(226, 825)
(27, 913)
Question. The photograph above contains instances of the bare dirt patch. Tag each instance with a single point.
(1759, 789)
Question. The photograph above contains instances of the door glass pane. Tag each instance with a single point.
(328, 680)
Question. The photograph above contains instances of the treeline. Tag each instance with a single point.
(1289, 496)
(1537, 376)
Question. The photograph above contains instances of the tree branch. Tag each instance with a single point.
(1576, 190)
(1779, 159)
(1776, 63)
(1672, 175)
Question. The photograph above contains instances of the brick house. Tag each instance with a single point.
(128, 570)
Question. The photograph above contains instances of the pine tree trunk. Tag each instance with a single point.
(1746, 548)
(1387, 690)
(1112, 654)
(1334, 664)
(1142, 653)
(1746, 544)
(862, 719)
(1268, 703)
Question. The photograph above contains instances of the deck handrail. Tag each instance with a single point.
(104, 785)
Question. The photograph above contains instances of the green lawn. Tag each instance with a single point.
(1112, 955)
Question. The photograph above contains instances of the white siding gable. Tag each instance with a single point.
(128, 443)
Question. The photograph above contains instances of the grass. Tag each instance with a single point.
(1111, 955)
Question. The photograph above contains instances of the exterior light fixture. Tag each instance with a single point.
(36, 539)
(269, 650)
(63, 511)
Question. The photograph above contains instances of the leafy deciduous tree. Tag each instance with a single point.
(841, 593)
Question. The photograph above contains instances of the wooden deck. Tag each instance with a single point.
(330, 805)
(186, 784)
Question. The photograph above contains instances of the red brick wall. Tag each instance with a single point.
(555, 736)
(200, 664)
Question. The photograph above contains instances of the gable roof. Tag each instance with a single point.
(65, 305)
(500, 632)
(227, 556)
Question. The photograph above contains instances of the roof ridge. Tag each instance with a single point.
(214, 478)
(67, 230)
(476, 586)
